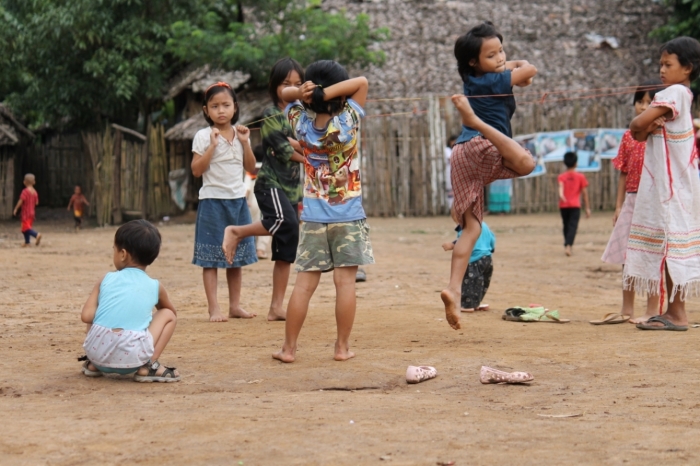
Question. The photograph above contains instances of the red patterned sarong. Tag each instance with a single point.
(474, 164)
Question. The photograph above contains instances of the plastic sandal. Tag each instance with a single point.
(167, 376)
(416, 374)
(609, 319)
(491, 375)
(87, 372)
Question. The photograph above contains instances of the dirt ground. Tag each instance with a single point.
(635, 393)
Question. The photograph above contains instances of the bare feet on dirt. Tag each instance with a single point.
(276, 315)
(215, 315)
(451, 309)
(343, 353)
(285, 355)
(240, 313)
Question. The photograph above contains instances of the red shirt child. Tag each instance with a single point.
(571, 185)
(28, 201)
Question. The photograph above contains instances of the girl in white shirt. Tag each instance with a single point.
(221, 154)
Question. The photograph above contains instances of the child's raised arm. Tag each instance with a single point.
(648, 121)
(200, 162)
(355, 88)
(88, 313)
(521, 73)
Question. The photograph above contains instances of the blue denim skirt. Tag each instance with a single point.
(213, 216)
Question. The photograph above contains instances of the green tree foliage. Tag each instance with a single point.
(277, 28)
(684, 21)
(80, 62)
(85, 62)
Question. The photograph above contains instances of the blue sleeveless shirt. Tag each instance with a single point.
(126, 300)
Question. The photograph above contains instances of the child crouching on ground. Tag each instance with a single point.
(124, 335)
(334, 234)
(477, 278)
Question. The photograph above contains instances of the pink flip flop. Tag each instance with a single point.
(416, 374)
(491, 375)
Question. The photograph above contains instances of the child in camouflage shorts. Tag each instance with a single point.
(334, 234)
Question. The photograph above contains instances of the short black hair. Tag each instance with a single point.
(687, 50)
(279, 73)
(570, 159)
(218, 89)
(468, 47)
(651, 87)
(325, 73)
(259, 152)
(140, 239)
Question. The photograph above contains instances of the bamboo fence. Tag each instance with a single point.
(404, 165)
(130, 173)
(7, 181)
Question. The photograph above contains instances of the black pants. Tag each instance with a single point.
(570, 217)
(476, 282)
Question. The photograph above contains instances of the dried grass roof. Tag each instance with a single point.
(11, 130)
(252, 104)
(199, 79)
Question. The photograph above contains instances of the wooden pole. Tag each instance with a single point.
(117, 180)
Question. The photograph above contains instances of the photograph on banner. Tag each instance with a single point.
(609, 142)
(527, 141)
(552, 146)
(584, 146)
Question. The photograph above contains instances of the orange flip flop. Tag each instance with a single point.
(611, 318)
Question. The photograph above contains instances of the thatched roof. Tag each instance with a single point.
(11, 130)
(252, 104)
(199, 79)
(551, 34)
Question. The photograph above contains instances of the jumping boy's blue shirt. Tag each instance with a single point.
(485, 244)
(494, 111)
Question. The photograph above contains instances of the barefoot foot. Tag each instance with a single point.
(285, 355)
(276, 315)
(451, 309)
(240, 313)
(469, 118)
(38, 239)
(215, 315)
(231, 240)
(567, 250)
(342, 352)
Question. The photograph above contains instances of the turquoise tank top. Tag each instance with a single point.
(126, 300)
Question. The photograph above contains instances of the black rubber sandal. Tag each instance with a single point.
(167, 376)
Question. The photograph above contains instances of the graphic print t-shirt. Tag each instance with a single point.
(332, 191)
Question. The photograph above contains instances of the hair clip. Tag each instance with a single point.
(320, 86)
(219, 84)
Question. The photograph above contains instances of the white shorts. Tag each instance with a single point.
(118, 348)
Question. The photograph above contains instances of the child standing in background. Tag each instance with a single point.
(28, 201)
(221, 154)
(484, 152)
(665, 234)
(477, 278)
(630, 162)
(278, 186)
(78, 203)
(571, 185)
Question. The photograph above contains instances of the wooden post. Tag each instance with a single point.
(117, 180)
(144, 174)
